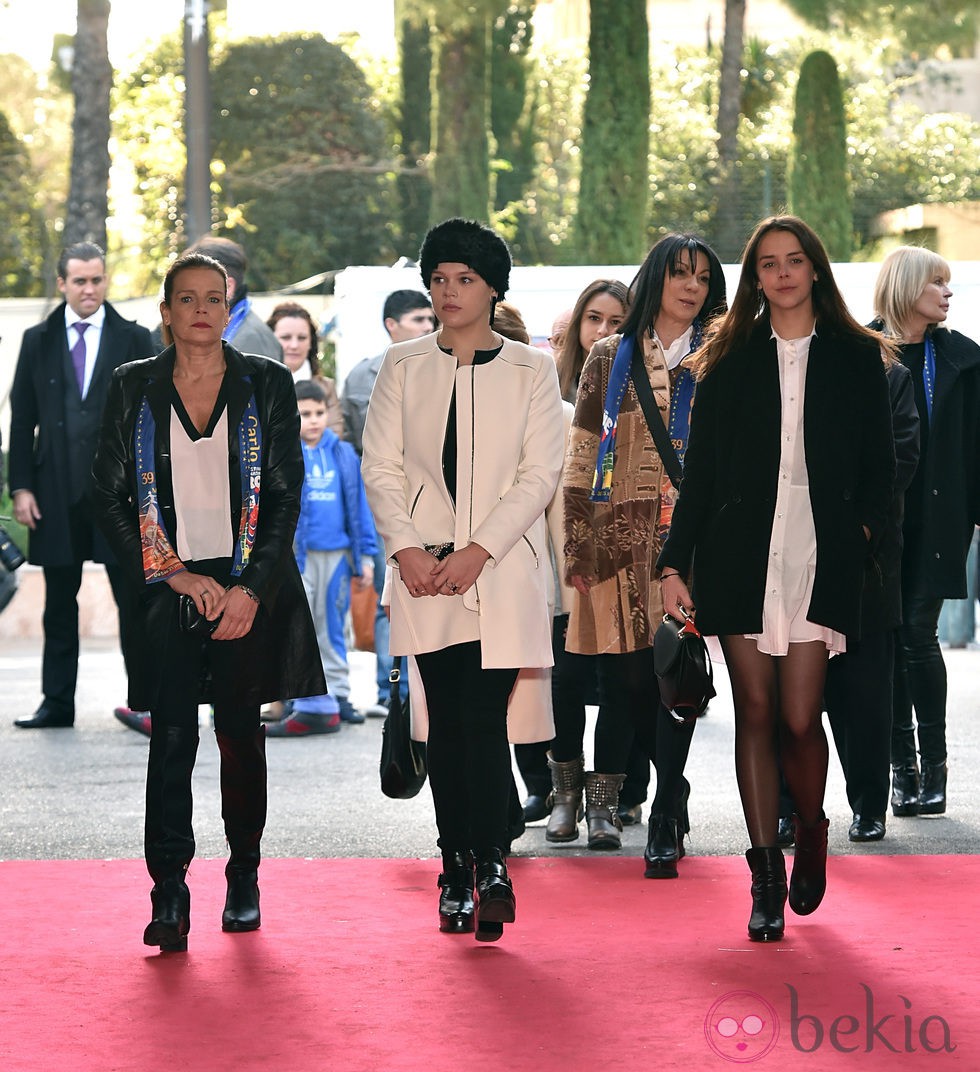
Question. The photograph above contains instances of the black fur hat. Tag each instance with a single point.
(468, 242)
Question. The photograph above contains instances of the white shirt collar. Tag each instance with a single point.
(678, 349)
(97, 319)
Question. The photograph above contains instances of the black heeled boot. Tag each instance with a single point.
(766, 924)
(456, 905)
(171, 922)
(932, 794)
(495, 896)
(905, 790)
(808, 883)
(243, 809)
(663, 846)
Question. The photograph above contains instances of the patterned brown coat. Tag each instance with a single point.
(615, 542)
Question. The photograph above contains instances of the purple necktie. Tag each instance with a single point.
(78, 356)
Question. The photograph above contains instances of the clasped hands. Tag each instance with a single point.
(424, 575)
(213, 600)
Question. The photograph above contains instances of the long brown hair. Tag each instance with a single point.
(571, 357)
(749, 304)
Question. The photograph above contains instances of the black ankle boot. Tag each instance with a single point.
(932, 794)
(456, 905)
(241, 911)
(766, 924)
(663, 846)
(905, 790)
(171, 922)
(808, 882)
(495, 896)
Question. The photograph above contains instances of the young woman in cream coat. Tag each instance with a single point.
(463, 449)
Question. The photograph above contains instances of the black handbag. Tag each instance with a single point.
(192, 621)
(403, 767)
(682, 666)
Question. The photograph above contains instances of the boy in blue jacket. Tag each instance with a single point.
(335, 542)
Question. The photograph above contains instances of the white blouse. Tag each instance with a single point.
(793, 543)
(201, 491)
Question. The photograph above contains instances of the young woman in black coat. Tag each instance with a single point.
(787, 483)
(942, 505)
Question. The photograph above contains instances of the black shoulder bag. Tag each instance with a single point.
(680, 655)
(403, 766)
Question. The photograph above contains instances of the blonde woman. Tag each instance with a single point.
(942, 505)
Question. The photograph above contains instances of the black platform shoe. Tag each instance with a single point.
(241, 912)
(456, 905)
(808, 883)
(905, 790)
(171, 922)
(495, 896)
(766, 924)
(663, 846)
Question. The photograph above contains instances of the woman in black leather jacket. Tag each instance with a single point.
(198, 476)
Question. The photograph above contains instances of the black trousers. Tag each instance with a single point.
(858, 701)
(467, 750)
(920, 683)
(194, 666)
(632, 712)
(59, 660)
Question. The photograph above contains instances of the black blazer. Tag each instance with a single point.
(722, 522)
(279, 658)
(39, 440)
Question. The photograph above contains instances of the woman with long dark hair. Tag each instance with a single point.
(787, 484)
(598, 312)
(618, 502)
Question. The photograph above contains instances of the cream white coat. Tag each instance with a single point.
(509, 448)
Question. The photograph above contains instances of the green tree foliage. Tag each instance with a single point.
(414, 125)
(22, 234)
(305, 182)
(916, 28)
(613, 189)
(91, 83)
(461, 167)
(818, 179)
(148, 120)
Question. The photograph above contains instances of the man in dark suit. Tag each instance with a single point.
(59, 390)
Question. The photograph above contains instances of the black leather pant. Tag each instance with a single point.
(920, 683)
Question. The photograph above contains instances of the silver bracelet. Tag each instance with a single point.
(248, 591)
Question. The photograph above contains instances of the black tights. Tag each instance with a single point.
(778, 706)
(631, 707)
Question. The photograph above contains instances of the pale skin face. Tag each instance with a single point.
(602, 316)
(198, 309)
(931, 307)
(293, 333)
(460, 298)
(312, 420)
(682, 297)
(84, 286)
(412, 325)
(786, 276)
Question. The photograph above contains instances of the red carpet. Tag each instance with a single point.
(603, 969)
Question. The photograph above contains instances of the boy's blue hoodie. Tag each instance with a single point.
(334, 512)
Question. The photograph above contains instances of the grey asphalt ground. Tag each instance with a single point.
(78, 793)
